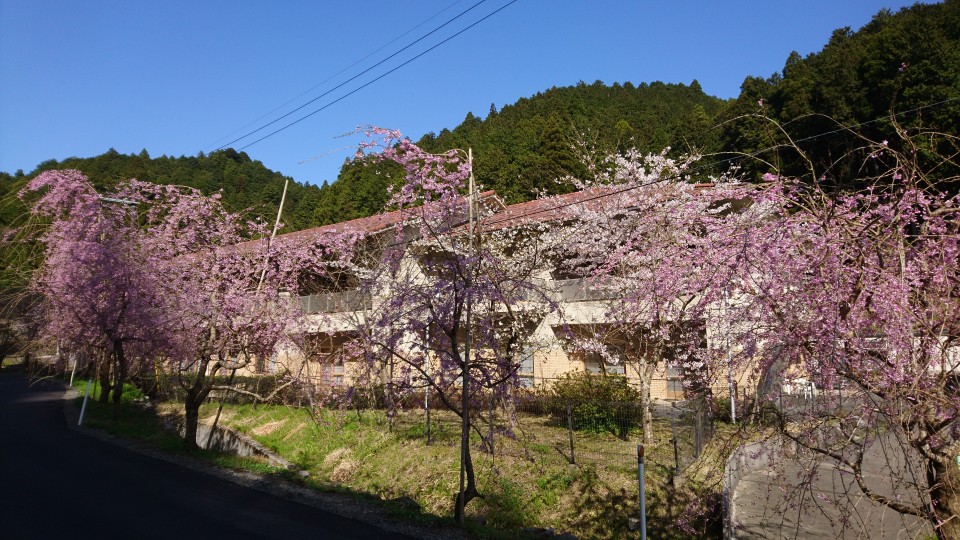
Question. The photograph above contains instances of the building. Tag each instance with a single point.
(566, 308)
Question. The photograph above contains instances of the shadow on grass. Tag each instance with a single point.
(142, 423)
(11, 367)
(606, 513)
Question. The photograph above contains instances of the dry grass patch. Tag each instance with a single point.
(266, 429)
(296, 429)
(343, 471)
(335, 457)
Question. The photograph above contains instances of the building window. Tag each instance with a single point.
(594, 363)
(338, 370)
(525, 367)
(674, 383)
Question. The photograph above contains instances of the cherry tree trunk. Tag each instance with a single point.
(646, 374)
(120, 377)
(192, 417)
(945, 495)
(195, 397)
(470, 488)
(104, 373)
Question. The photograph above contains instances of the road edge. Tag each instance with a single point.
(341, 504)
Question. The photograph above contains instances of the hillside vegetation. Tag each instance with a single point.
(525, 147)
(905, 63)
(246, 184)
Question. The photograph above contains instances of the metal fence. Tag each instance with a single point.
(540, 429)
(550, 431)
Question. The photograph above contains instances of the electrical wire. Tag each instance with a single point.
(842, 129)
(618, 191)
(361, 87)
(331, 77)
(355, 77)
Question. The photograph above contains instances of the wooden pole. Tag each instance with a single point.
(276, 226)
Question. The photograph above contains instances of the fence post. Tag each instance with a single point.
(491, 421)
(743, 403)
(676, 454)
(426, 404)
(643, 495)
(698, 431)
(708, 419)
(73, 356)
(573, 460)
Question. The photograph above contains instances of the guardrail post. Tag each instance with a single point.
(83, 409)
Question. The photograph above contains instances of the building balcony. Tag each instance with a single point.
(579, 290)
(336, 302)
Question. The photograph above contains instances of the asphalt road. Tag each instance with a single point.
(59, 483)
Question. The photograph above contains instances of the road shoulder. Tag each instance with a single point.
(341, 504)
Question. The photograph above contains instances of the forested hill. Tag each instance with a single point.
(906, 63)
(247, 184)
(522, 149)
(519, 151)
(525, 147)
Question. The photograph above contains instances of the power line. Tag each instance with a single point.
(355, 77)
(351, 79)
(331, 77)
(361, 87)
(638, 186)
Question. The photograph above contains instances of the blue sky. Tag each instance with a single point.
(180, 77)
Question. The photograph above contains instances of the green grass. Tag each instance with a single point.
(134, 422)
(527, 483)
(12, 364)
(138, 421)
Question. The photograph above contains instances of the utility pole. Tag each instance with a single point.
(276, 225)
(263, 275)
(641, 478)
(429, 380)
